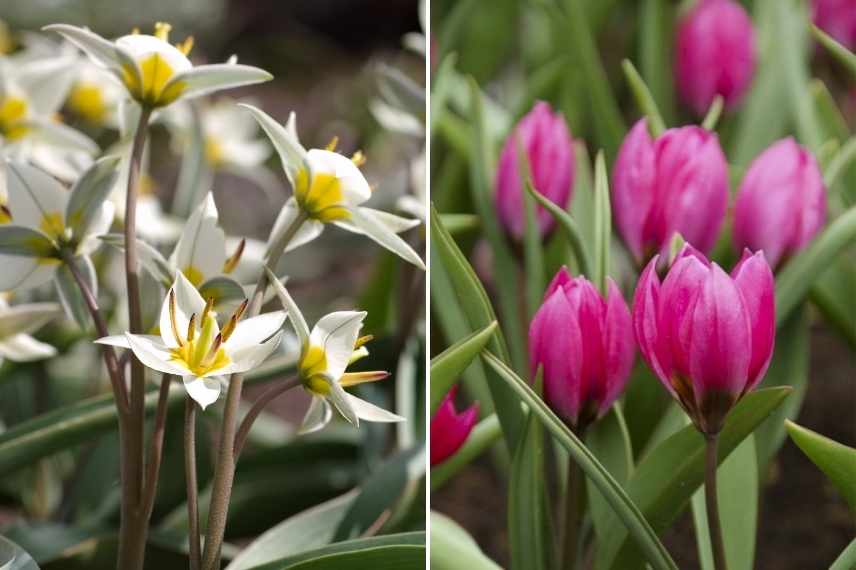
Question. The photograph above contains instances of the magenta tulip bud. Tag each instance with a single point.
(546, 141)
(706, 335)
(781, 204)
(677, 183)
(715, 54)
(584, 347)
(449, 429)
(837, 18)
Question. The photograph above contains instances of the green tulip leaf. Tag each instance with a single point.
(837, 461)
(448, 366)
(452, 548)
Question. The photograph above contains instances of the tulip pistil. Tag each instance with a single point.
(201, 351)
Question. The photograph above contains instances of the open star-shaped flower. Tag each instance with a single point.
(325, 353)
(155, 72)
(193, 346)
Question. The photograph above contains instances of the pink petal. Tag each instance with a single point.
(633, 179)
(449, 429)
(754, 279)
(645, 326)
(618, 341)
(678, 295)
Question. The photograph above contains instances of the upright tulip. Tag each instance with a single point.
(546, 141)
(706, 335)
(676, 183)
(781, 204)
(837, 18)
(584, 346)
(715, 53)
(450, 429)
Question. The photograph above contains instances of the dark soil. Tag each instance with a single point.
(803, 523)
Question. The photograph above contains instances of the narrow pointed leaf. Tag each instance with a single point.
(452, 548)
(644, 99)
(838, 51)
(837, 461)
(447, 367)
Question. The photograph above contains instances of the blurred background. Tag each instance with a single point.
(343, 67)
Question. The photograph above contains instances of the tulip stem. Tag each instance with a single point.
(224, 468)
(192, 486)
(712, 503)
(574, 506)
(266, 398)
(134, 520)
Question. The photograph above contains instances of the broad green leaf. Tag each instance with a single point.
(46, 541)
(88, 194)
(794, 281)
(308, 530)
(644, 99)
(452, 548)
(18, 240)
(100, 553)
(832, 294)
(838, 51)
(602, 224)
(839, 164)
(836, 460)
(447, 367)
(13, 557)
(475, 304)
(627, 511)
(569, 228)
(483, 436)
(847, 559)
(668, 476)
(655, 53)
(481, 188)
(389, 552)
(440, 88)
(737, 483)
(460, 223)
(609, 441)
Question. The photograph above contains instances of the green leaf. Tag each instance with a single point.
(448, 366)
(401, 91)
(452, 548)
(476, 306)
(528, 529)
(13, 557)
(483, 436)
(839, 163)
(569, 229)
(609, 441)
(793, 55)
(847, 559)
(533, 255)
(668, 476)
(460, 223)
(627, 511)
(713, 113)
(608, 124)
(440, 88)
(795, 280)
(602, 224)
(644, 401)
(88, 194)
(18, 240)
(655, 54)
(644, 99)
(837, 461)
(737, 481)
(838, 51)
(223, 290)
(832, 294)
(390, 552)
(307, 530)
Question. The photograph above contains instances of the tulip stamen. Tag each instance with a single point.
(162, 30)
(172, 318)
(363, 340)
(358, 158)
(231, 263)
(185, 46)
(334, 142)
(191, 328)
(355, 378)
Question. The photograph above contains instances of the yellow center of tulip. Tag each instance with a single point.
(150, 82)
(5, 215)
(52, 225)
(193, 274)
(320, 196)
(312, 366)
(201, 351)
(13, 115)
(87, 100)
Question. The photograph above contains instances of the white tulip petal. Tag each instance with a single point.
(99, 226)
(58, 136)
(153, 354)
(336, 334)
(96, 47)
(371, 413)
(297, 320)
(355, 187)
(204, 391)
(188, 302)
(24, 348)
(395, 224)
(256, 330)
(206, 79)
(34, 195)
(47, 83)
(24, 272)
(317, 416)
(24, 319)
(284, 139)
(121, 341)
(201, 251)
(245, 153)
(375, 229)
(340, 400)
(140, 46)
(249, 357)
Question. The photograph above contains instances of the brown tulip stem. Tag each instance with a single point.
(712, 503)
(266, 398)
(191, 480)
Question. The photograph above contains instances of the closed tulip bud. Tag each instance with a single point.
(706, 335)
(781, 204)
(676, 183)
(544, 138)
(583, 345)
(715, 53)
(837, 18)
(450, 429)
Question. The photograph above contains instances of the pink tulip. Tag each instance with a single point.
(715, 53)
(676, 183)
(706, 335)
(781, 204)
(546, 141)
(449, 429)
(584, 347)
(837, 18)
